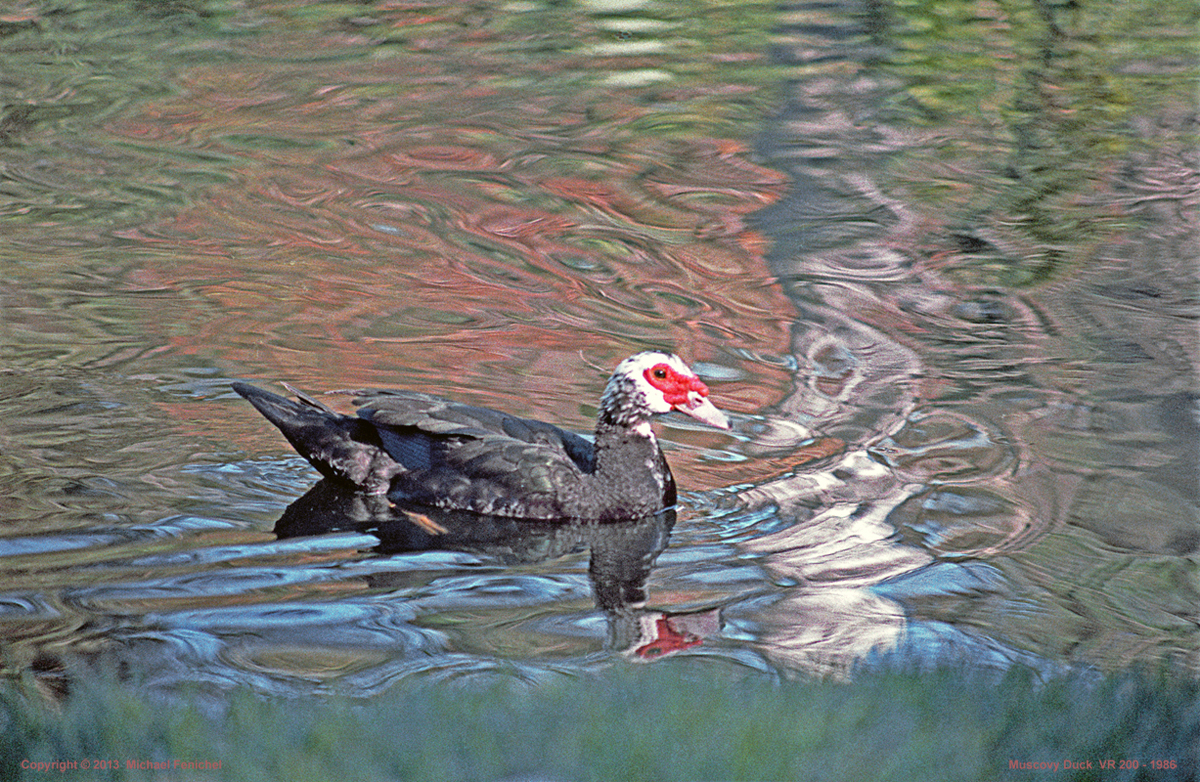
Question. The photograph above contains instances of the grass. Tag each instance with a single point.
(662, 722)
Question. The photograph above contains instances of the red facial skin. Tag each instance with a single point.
(675, 387)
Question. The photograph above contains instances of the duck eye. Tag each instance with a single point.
(660, 373)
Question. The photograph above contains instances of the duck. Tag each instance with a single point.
(424, 450)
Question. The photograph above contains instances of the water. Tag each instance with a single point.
(954, 318)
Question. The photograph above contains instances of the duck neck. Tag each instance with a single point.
(619, 443)
(624, 437)
(630, 470)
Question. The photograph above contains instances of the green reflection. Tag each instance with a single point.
(1035, 103)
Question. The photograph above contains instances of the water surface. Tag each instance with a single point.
(950, 298)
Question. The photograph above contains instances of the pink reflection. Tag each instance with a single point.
(390, 223)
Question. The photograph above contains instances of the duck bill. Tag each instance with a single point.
(703, 410)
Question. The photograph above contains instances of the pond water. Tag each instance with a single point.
(937, 261)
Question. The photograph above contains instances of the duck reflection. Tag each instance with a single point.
(622, 555)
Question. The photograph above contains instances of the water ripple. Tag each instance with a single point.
(965, 398)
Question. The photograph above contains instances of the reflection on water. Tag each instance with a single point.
(1010, 362)
(620, 556)
(955, 315)
(355, 590)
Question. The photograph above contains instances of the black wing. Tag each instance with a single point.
(473, 458)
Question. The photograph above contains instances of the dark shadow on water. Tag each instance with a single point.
(622, 555)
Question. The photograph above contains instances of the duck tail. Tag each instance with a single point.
(287, 413)
(342, 447)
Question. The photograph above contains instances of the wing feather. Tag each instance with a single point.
(474, 458)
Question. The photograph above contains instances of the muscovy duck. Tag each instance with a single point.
(424, 450)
